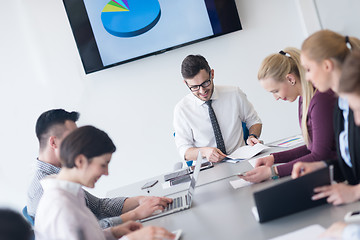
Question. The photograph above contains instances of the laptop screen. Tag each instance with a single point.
(195, 175)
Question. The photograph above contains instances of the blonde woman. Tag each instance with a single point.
(323, 55)
(348, 88)
(282, 75)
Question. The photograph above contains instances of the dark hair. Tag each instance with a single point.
(350, 74)
(49, 119)
(87, 140)
(192, 65)
(13, 226)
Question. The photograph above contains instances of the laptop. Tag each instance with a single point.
(291, 196)
(184, 201)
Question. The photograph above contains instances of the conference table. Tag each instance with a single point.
(219, 211)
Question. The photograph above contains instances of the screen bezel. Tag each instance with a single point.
(226, 11)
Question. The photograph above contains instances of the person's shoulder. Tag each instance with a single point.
(35, 187)
(328, 95)
(59, 196)
(227, 89)
(56, 204)
(324, 101)
(184, 102)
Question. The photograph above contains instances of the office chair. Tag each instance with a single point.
(27, 216)
(245, 131)
(179, 165)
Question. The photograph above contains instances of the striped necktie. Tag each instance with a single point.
(218, 136)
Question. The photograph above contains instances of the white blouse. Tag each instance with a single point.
(63, 215)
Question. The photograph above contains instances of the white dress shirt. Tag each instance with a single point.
(192, 123)
(343, 136)
(351, 232)
(63, 215)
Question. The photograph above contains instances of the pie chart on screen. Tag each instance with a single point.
(130, 18)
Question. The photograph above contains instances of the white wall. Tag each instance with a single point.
(341, 16)
(41, 69)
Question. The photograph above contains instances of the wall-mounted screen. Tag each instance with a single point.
(113, 32)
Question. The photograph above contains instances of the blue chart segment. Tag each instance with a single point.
(130, 18)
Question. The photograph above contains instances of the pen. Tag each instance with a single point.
(242, 174)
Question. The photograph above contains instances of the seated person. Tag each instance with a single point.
(62, 213)
(328, 68)
(282, 75)
(51, 127)
(13, 226)
(349, 88)
(210, 118)
(341, 230)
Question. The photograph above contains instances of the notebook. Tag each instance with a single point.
(290, 197)
(184, 201)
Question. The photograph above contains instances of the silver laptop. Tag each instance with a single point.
(184, 201)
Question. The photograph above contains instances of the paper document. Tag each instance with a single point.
(311, 232)
(288, 142)
(177, 234)
(246, 152)
(239, 183)
(253, 160)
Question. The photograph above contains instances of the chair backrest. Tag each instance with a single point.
(245, 131)
(27, 216)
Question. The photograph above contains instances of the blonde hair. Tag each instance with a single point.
(277, 66)
(326, 44)
(350, 76)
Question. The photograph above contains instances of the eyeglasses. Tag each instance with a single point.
(205, 84)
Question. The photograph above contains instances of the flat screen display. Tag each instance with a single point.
(113, 32)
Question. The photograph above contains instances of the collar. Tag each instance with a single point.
(47, 167)
(343, 104)
(214, 96)
(52, 182)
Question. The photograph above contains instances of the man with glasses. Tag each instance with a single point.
(210, 118)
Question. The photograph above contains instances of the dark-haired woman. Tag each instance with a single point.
(62, 213)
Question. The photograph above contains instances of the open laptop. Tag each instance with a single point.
(291, 196)
(184, 201)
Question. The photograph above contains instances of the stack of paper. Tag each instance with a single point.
(289, 142)
(239, 183)
(311, 232)
(246, 152)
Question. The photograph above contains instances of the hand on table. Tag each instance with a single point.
(265, 161)
(151, 233)
(125, 228)
(148, 205)
(213, 154)
(334, 231)
(251, 141)
(257, 175)
(302, 168)
(337, 194)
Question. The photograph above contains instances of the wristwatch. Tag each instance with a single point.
(273, 173)
(253, 136)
